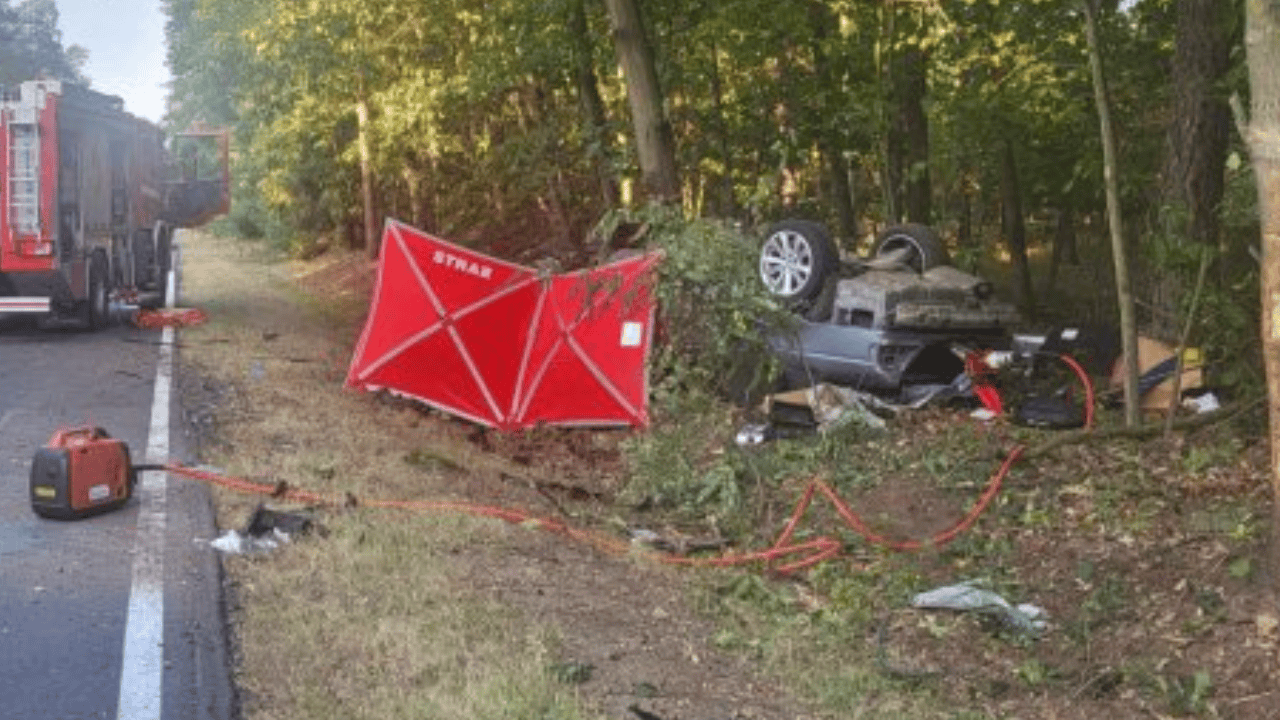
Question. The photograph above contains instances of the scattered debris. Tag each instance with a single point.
(1204, 403)
(675, 544)
(967, 596)
(232, 542)
(266, 521)
(1157, 364)
(828, 406)
(1050, 413)
(265, 531)
(754, 434)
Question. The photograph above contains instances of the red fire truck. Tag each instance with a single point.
(89, 198)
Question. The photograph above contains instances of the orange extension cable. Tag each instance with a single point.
(812, 551)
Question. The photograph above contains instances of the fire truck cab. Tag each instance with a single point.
(89, 199)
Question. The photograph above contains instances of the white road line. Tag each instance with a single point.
(142, 666)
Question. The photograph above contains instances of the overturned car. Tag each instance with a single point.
(902, 319)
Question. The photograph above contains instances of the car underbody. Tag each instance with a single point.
(904, 317)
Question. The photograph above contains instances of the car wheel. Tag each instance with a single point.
(919, 245)
(795, 259)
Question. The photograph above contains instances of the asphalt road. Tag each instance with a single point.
(117, 616)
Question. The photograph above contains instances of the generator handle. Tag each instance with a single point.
(84, 433)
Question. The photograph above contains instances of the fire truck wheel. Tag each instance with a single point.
(164, 244)
(95, 312)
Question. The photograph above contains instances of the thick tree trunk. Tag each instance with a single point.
(1195, 158)
(915, 130)
(908, 139)
(1124, 290)
(1262, 43)
(655, 144)
(891, 176)
(1192, 179)
(1015, 230)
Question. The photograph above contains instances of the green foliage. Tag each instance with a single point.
(478, 118)
(1227, 320)
(1186, 695)
(684, 465)
(712, 303)
(1106, 599)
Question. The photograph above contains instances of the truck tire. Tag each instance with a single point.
(95, 312)
(796, 258)
(164, 257)
(921, 247)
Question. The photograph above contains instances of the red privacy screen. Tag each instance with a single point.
(502, 344)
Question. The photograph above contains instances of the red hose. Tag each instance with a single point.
(812, 551)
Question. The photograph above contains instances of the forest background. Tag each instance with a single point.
(509, 122)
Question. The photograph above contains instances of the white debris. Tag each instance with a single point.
(967, 596)
(1200, 404)
(233, 543)
(753, 434)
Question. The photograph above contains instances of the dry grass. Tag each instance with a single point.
(371, 620)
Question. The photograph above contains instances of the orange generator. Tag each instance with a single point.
(82, 471)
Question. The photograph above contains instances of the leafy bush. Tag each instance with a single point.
(712, 305)
(682, 464)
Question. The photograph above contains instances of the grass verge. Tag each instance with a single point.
(369, 621)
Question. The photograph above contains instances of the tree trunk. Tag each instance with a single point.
(1064, 243)
(915, 132)
(727, 203)
(891, 149)
(908, 139)
(1196, 153)
(1124, 290)
(822, 24)
(655, 145)
(415, 178)
(1262, 45)
(593, 115)
(967, 185)
(1015, 229)
(372, 241)
(1192, 179)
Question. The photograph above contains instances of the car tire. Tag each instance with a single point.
(926, 248)
(795, 259)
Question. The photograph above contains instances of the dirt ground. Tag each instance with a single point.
(1156, 591)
